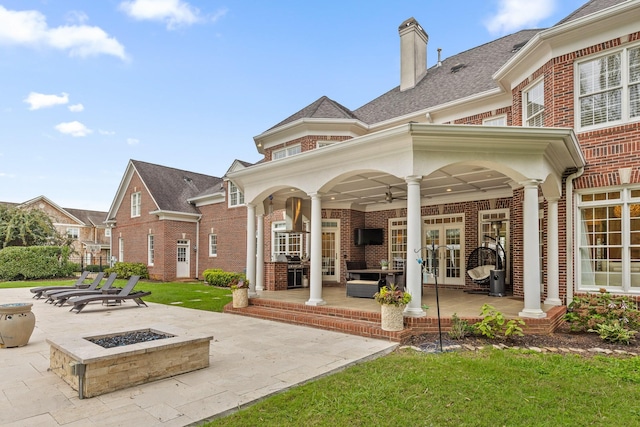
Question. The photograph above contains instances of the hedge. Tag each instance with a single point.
(34, 262)
(218, 277)
(127, 269)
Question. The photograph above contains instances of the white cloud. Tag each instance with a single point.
(74, 128)
(37, 100)
(106, 132)
(76, 108)
(174, 13)
(514, 15)
(6, 175)
(133, 141)
(29, 28)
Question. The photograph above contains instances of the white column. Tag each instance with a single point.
(260, 254)
(553, 253)
(530, 252)
(315, 260)
(251, 248)
(413, 281)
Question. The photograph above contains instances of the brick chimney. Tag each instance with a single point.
(413, 53)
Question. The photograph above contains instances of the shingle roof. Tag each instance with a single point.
(171, 188)
(475, 68)
(588, 8)
(87, 216)
(322, 108)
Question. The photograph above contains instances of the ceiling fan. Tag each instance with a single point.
(388, 196)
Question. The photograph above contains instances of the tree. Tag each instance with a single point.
(27, 227)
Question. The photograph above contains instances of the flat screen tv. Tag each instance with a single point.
(368, 236)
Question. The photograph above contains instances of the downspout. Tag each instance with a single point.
(198, 246)
(570, 244)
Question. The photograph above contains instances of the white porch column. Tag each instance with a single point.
(530, 252)
(315, 285)
(413, 281)
(553, 271)
(260, 254)
(251, 248)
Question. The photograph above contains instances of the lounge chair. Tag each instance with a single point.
(125, 294)
(78, 285)
(59, 298)
(92, 287)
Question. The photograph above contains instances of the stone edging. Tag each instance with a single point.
(555, 350)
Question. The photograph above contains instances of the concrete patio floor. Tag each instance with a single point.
(249, 360)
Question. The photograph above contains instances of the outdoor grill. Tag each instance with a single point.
(295, 271)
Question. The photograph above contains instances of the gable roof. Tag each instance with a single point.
(588, 8)
(460, 76)
(172, 188)
(322, 108)
(88, 217)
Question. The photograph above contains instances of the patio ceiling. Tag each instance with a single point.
(373, 188)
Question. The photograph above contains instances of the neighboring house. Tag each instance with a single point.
(533, 139)
(86, 228)
(177, 222)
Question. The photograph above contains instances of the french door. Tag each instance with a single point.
(443, 247)
(331, 250)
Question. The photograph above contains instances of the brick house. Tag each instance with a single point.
(177, 222)
(86, 228)
(530, 140)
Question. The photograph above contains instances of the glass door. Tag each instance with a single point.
(443, 249)
(331, 250)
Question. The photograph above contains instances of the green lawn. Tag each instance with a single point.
(488, 388)
(189, 295)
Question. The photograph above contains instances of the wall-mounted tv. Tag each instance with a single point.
(368, 236)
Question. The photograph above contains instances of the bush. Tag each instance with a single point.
(460, 328)
(34, 262)
(221, 278)
(125, 270)
(493, 323)
(614, 318)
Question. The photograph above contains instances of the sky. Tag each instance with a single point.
(85, 86)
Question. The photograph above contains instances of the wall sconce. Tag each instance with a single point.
(195, 248)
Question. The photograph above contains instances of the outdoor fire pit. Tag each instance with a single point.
(104, 363)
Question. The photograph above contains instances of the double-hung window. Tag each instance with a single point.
(236, 197)
(609, 88)
(213, 245)
(73, 233)
(533, 104)
(150, 249)
(285, 243)
(135, 204)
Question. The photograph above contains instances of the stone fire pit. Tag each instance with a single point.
(92, 369)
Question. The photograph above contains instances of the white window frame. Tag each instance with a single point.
(213, 245)
(236, 197)
(624, 86)
(107, 232)
(73, 232)
(324, 143)
(120, 249)
(533, 118)
(500, 120)
(135, 204)
(397, 249)
(150, 249)
(285, 243)
(286, 152)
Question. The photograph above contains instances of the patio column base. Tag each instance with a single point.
(315, 302)
(414, 312)
(553, 301)
(532, 313)
(254, 294)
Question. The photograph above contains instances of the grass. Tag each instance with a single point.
(188, 295)
(487, 388)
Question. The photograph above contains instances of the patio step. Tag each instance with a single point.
(354, 322)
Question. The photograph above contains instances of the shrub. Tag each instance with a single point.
(221, 278)
(614, 318)
(493, 324)
(125, 270)
(34, 262)
(459, 328)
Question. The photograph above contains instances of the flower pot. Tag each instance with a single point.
(385, 267)
(16, 324)
(392, 318)
(240, 297)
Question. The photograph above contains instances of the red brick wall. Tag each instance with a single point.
(307, 143)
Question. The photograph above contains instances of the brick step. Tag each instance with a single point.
(341, 312)
(363, 328)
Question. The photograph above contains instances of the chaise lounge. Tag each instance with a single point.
(81, 302)
(78, 285)
(61, 297)
(92, 287)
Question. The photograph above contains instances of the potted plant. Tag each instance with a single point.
(392, 302)
(384, 264)
(240, 292)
